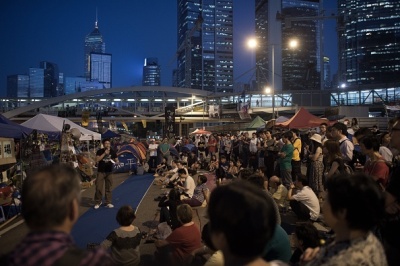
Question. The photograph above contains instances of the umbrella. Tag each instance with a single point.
(189, 148)
(200, 132)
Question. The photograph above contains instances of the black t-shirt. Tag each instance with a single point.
(105, 165)
(201, 146)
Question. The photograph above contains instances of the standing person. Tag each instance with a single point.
(124, 241)
(375, 165)
(201, 147)
(105, 158)
(334, 160)
(212, 146)
(285, 158)
(51, 199)
(322, 131)
(315, 169)
(153, 147)
(270, 153)
(296, 160)
(339, 133)
(254, 143)
(164, 150)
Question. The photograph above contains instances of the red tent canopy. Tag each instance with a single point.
(303, 119)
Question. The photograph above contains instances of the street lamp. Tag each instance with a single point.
(268, 90)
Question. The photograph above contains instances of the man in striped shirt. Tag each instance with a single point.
(50, 203)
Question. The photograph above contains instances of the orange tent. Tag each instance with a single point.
(303, 119)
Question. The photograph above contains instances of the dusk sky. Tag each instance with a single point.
(54, 31)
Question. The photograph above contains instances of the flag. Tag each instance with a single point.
(144, 123)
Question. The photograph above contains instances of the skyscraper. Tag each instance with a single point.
(50, 82)
(327, 73)
(151, 72)
(36, 82)
(93, 44)
(18, 86)
(278, 22)
(100, 69)
(205, 44)
(369, 49)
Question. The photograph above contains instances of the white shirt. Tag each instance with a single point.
(189, 185)
(386, 153)
(253, 145)
(153, 146)
(307, 196)
(346, 148)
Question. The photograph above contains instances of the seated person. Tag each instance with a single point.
(305, 236)
(278, 190)
(215, 257)
(304, 202)
(241, 247)
(176, 249)
(186, 184)
(232, 170)
(221, 171)
(124, 241)
(353, 208)
(213, 164)
(161, 168)
(201, 193)
(168, 205)
(192, 158)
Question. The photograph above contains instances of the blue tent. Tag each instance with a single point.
(109, 134)
(25, 130)
(10, 131)
(128, 158)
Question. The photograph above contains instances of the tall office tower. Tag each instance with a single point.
(205, 45)
(327, 73)
(18, 86)
(278, 23)
(151, 72)
(93, 44)
(73, 84)
(100, 69)
(60, 87)
(369, 49)
(36, 82)
(50, 82)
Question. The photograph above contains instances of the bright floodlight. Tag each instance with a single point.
(293, 43)
(343, 85)
(268, 90)
(252, 43)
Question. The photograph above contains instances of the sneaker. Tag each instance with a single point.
(109, 205)
(97, 205)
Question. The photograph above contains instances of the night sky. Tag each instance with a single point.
(54, 31)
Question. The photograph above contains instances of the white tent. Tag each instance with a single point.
(55, 123)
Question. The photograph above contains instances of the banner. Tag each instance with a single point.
(213, 110)
(169, 121)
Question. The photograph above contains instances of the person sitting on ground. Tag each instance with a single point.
(303, 202)
(161, 168)
(124, 241)
(186, 184)
(201, 193)
(353, 206)
(278, 247)
(176, 249)
(50, 208)
(171, 182)
(192, 158)
(232, 170)
(213, 164)
(227, 224)
(278, 191)
(216, 258)
(221, 171)
(305, 236)
(168, 205)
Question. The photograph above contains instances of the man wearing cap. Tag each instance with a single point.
(339, 133)
(153, 146)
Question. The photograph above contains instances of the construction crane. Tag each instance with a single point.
(186, 46)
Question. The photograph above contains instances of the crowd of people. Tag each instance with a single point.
(350, 182)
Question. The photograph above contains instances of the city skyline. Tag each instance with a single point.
(55, 32)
